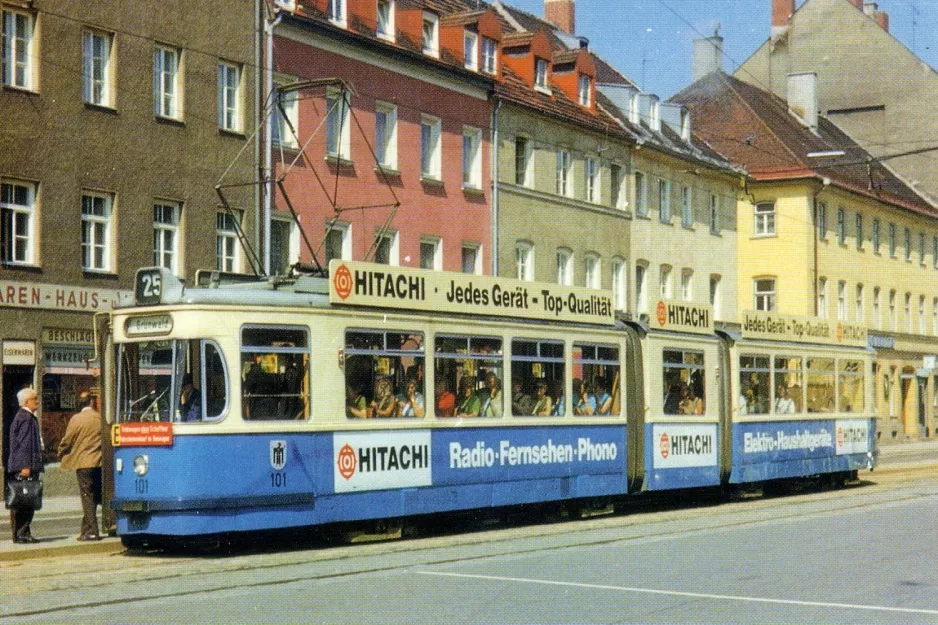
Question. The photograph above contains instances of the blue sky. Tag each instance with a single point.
(661, 32)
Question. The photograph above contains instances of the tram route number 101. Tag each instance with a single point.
(278, 479)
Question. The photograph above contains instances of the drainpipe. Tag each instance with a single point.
(495, 143)
(258, 114)
(269, 26)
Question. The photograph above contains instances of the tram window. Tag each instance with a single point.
(214, 382)
(595, 387)
(274, 373)
(683, 376)
(754, 385)
(537, 377)
(144, 379)
(850, 384)
(789, 385)
(820, 385)
(200, 384)
(384, 374)
(468, 375)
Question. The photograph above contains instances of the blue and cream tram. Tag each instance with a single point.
(387, 392)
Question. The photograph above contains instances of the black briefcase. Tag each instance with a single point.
(24, 493)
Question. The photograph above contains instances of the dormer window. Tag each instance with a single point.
(685, 125)
(489, 56)
(583, 90)
(655, 117)
(431, 34)
(385, 29)
(470, 50)
(634, 108)
(540, 74)
(336, 11)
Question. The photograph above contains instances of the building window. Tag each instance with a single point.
(664, 201)
(841, 226)
(908, 312)
(284, 244)
(522, 161)
(17, 49)
(96, 79)
(664, 281)
(471, 158)
(166, 82)
(431, 253)
(540, 74)
(822, 298)
(386, 135)
(820, 219)
(764, 294)
(17, 211)
(641, 195)
(227, 257)
(592, 271)
(431, 34)
(165, 235)
(893, 317)
(338, 241)
(641, 287)
(564, 266)
(859, 230)
(430, 158)
(385, 29)
(489, 56)
(229, 97)
(841, 300)
(765, 219)
(921, 248)
(524, 261)
(564, 165)
(715, 295)
(877, 312)
(336, 11)
(619, 292)
(338, 128)
(934, 252)
(934, 319)
(386, 248)
(876, 236)
(714, 214)
(908, 244)
(470, 47)
(471, 259)
(96, 231)
(615, 186)
(584, 91)
(592, 180)
(921, 314)
(860, 312)
(285, 119)
(687, 285)
(892, 240)
(687, 207)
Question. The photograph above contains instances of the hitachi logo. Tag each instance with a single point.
(384, 458)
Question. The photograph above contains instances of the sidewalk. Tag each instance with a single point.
(893, 456)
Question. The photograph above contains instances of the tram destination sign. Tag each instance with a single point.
(762, 325)
(367, 284)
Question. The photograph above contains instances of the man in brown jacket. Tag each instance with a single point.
(80, 449)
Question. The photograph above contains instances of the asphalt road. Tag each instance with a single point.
(861, 555)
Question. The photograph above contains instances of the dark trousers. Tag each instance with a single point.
(20, 518)
(89, 484)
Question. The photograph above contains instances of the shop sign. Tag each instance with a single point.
(682, 317)
(67, 336)
(878, 341)
(67, 355)
(58, 296)
(384, 286)
(775, 327)
(19, 353)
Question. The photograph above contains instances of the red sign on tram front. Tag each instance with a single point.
(142, 435)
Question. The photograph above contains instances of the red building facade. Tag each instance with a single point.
(391, 161)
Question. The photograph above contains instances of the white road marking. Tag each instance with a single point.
(675, 593)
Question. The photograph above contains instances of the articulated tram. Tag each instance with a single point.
(388, 392)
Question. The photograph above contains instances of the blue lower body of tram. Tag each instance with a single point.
(231, 483)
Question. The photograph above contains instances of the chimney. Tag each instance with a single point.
(857, 3)
(803, 97)
(882, 18)
(782, 10)
(708, 55)
(871, 9)
(561, 13)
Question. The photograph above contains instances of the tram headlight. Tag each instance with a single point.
(141, 465)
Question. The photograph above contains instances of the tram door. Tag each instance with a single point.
(15, 377)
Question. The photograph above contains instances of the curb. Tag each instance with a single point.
(105, 546)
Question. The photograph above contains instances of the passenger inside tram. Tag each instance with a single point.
(542, 401)
(445, 401)
(469, 403)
